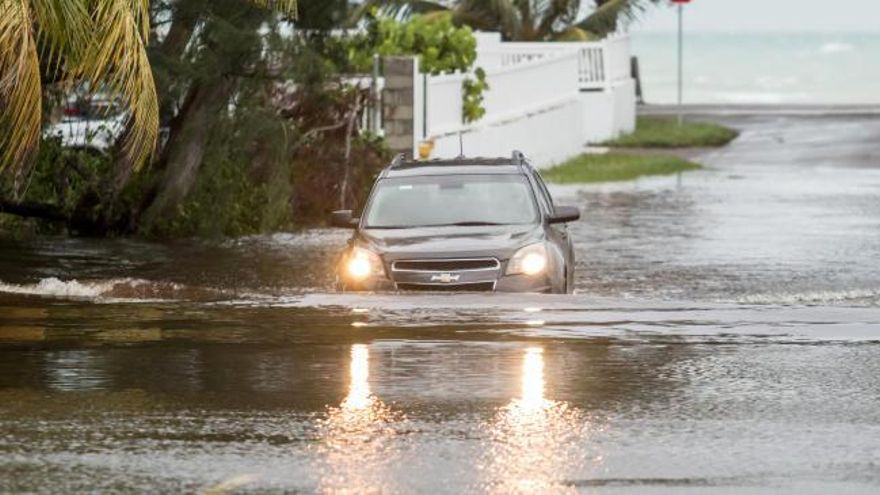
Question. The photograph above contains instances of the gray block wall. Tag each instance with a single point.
(398, 101)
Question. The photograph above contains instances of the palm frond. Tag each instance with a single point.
(63, 29)
(20, 91)
(491, 15)
(287, 7)
(556, 14)
(117, 61)
(395, 8)
(604, 19)
(140, 10)
(574, 34)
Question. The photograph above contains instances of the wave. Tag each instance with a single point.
(836, 47)
(111, 290)
(759, 97)
(819, 297)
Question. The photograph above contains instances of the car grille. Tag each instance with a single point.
(464, 274)
(474, 287)
(445, 265)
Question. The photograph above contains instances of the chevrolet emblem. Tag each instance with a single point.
(445, 278)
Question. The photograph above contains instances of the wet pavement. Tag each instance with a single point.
(724, 337)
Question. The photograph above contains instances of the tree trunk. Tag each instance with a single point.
(80, 222)
(33, 210)
(172, 48)
(186, 146)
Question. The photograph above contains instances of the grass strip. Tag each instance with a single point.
(664, 132)
(611, 167)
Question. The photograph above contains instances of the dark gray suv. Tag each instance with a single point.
(468, 224)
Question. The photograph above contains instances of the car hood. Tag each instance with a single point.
(446, 242)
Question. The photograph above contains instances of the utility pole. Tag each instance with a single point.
(680, 5)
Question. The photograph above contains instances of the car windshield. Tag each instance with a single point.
(445, 200)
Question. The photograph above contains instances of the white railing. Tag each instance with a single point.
(601, 64)
(592, 67)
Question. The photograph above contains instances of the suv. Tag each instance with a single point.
(468, 224)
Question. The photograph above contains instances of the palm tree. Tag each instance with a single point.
(97, 43)
(524, 20)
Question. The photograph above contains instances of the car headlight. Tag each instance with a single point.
(362, 263)
(530, 260)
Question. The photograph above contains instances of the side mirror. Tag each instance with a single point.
(564, 214)
(343, 219)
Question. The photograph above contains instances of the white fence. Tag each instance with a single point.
(600, 63)
(546, 99)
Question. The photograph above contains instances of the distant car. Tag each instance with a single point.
(468, 224)
(88, 134)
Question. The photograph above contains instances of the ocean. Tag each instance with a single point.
(762, 68)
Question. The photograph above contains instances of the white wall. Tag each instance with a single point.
(548, 100)
(608, 114)
(547, 135)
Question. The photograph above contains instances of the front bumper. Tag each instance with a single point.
(506, 283)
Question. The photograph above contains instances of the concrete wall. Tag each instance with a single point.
(400, 100)
(610, 113)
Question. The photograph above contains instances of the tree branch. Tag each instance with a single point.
(34, 210)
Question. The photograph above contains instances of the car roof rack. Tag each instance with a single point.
(398, 160)
(518, 158)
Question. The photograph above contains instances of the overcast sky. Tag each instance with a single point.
(768, 15)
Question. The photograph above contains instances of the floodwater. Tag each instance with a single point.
(724, 337)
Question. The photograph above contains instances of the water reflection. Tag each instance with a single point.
(538, 445)
(76, 370)
(357, 446)
(359, 396)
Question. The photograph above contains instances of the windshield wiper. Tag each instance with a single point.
(455, 224)
(390, 227)
(469, 224)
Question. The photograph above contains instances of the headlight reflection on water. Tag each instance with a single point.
(533, 379)
(359, 388)
(358, 441)
(537, 445)
(531, 445)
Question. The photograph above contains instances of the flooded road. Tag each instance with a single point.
(724, 337)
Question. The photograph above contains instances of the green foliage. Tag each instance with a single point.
(662, 132)
(61, 178)
(473, 96)
(443, 48)
(610, 167)
(270, 172)
(282, 146)
(245, 205)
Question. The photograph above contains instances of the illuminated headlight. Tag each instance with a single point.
(362, 263)
(530, 260)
